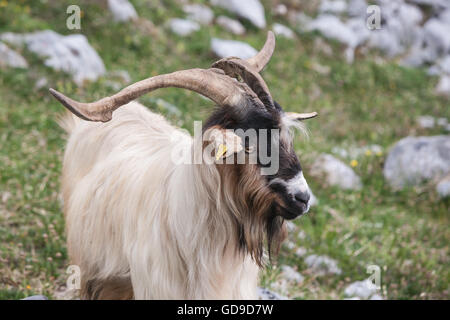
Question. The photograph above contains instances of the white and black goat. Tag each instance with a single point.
(140, 226)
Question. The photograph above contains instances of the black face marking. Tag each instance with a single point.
(254, 117)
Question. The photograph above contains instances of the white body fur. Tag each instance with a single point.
(132, 215)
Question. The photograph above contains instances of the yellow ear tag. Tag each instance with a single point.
(221, 150)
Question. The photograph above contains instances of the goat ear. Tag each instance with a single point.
(226, 142)
(301, 116)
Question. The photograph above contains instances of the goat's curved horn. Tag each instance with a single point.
(249, 69)
(259, 61)
(237, 67)
(301, 116)
(211, 83)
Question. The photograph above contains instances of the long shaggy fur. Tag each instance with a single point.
(140, 227)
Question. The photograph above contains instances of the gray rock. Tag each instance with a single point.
(41, 83)
(401, 29)
(357, 8)
(166, 106)
(333, 6)
(71, 54)
(280, 9)
(386, 41)
(231, 25)
(266, 294)
(336, 172)
(37, 297)
(301, 252)
(122, 10)
(301, 235)
(443, 86)
(361, 289)
(331, 27)
(313, 200)
(426, 122)
(289, 245)
(352, 33)
(10, 58)
(443, 187)
(291, 275)
(322, 265)
(436, 38)
(291, 227)
(183, 27)
(231, 48)
(252, 10)
(444, 64)
(442, 122)
(282, 30)
(300, 20)
(121, 75)
(413, 160)
(434, 4)
(356, 152)
(199, 13)
(444, 16)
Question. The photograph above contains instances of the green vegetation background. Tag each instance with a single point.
(405, 233)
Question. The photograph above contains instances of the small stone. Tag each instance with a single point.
(322, 265)
(336, 173)
(301, 235)
(300, 252)
(280, 10)
(71, 53)
(291, 275)
(291, 227)
(183, 27)
(41, 83)
(313, 200)
(252, 10)
(414, 160)
(121, 75)
(426, 122)
(170, 108)
(231, 25)
(10, 58)
(443, 87)
(37, 297)
(321, 69)
(361, 289)
(232, 48)
(266, 294)
(442, 122)
(333, 6)
(289, 245)
(281, 30)
(300, 20)
(443, 187)
(122, 10)
(199, 13)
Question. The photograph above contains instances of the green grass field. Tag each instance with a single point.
(405, 233)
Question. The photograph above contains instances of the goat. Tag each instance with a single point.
(141, 227)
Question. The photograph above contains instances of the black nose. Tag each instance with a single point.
(302, 197)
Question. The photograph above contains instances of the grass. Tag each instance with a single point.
(404, 232)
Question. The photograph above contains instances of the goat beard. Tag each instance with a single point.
(253, 210)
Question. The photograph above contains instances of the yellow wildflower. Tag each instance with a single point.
(354, 163)
(368, 153)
